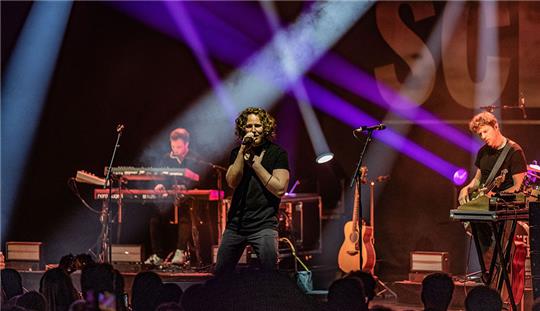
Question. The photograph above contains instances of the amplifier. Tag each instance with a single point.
(430, 262)
(299, 218)
(300, 221)
(24, 255)
(126, 253)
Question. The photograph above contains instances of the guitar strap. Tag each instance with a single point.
(499, 162)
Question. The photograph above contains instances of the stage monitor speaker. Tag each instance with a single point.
(24, 255)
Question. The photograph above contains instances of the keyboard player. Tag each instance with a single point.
(485, 125)
(177, 157)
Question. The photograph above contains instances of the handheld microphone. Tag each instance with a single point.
(490, 108)
(248, 140)
(378, 127)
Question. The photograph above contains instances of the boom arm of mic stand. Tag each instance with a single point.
(361, 159)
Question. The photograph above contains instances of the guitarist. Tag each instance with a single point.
(486, 127)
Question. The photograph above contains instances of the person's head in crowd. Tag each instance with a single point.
(253, 287)
(119, 291)
(169, 292)
(67, 263)
(32, 300)
(83, 260)
(367, 280)
(192, 296)
(437, 291)
(11, 283)
(96, 278)
(70, 263)
(169, 306)
(483, 298)
(145, 290)
(347, 294)
(57, 288)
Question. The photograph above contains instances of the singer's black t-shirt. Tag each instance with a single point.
(253, 207)
(514, 162)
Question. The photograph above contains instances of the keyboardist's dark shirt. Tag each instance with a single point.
(168, 161)
(253, 207)
(514, 162)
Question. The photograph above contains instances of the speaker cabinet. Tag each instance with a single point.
(126, 253)
(300, 221)
(423, 263)
(24, 255)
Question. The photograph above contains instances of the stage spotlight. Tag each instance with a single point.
(460, 177)
(324, 157)
(25, 84)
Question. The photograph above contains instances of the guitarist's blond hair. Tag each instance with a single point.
(481, 119)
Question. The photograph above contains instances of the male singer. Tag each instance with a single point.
(259, 174)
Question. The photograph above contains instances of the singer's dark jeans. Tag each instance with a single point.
(263, 242)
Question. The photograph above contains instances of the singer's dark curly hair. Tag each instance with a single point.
(481, 119)
(268, 122)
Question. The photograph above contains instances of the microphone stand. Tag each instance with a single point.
(356, 179)
(105, 216)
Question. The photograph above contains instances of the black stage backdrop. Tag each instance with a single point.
(114, 69)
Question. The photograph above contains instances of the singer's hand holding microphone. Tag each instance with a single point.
(248, 139)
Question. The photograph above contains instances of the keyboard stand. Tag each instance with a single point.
(501, 256)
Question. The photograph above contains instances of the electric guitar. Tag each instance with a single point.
(479, 199)
(349, 253)
(489, 187)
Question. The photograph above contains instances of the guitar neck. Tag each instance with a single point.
(356, 207)
(372, 205)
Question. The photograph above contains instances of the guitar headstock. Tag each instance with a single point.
(363, 174)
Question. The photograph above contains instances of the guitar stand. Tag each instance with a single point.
(385, 289)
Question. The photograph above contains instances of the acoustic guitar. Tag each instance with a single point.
(349, 253)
